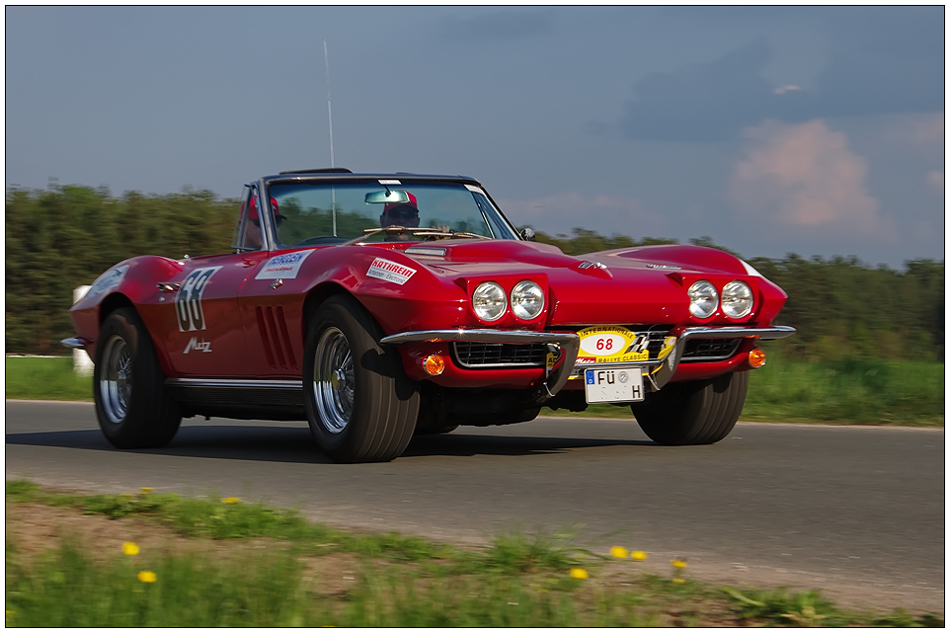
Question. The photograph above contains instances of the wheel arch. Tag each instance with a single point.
(316, 297)
(119, 300)
(112, 303)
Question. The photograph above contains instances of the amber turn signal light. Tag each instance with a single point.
(434, 364)
(757, 358)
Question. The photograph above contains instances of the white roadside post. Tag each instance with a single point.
(82, 364)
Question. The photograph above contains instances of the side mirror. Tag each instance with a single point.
(527, 234)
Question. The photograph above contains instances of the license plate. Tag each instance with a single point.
(613, 384)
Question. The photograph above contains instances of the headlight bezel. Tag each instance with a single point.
(520, 288)
(483, 288)
(730, 290)
(694, 294)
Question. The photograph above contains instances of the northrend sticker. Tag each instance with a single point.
(108, 280)
(390, 271)
(191, 316)
(284, 266)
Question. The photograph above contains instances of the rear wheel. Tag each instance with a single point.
(132, 405)
(361, 406)
(698, 412)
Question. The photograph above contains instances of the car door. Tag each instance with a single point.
(203, 329)
(272, 309)
(206, 337)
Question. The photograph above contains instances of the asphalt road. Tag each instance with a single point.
(856, 511)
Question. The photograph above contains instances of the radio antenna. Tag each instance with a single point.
(326, 61)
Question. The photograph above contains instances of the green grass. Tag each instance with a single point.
(852, 391)
(849, 391)
(228, 518)
(516, 580)
(46, 379)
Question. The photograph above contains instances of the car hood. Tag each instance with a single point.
(633, 285)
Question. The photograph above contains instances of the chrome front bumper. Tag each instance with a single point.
(567, 343)
(657, 372)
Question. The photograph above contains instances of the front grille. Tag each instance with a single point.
(476, 355)
(710, 349)
(656, 342)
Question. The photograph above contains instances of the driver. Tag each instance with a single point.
(253, 239)
(405, 214)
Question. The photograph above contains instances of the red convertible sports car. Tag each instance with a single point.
(380, 306)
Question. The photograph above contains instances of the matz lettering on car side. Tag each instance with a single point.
(188, 300)
(199, 346)
(390, 271)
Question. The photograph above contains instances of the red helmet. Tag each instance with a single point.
(412, 203)
(252, 212)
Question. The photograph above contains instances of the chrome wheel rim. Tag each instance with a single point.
(115, 380)
(334, 384)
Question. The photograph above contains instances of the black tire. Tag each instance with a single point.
(698, 412)
(360, 404)
(132, 404)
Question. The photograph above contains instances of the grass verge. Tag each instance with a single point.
(31, 378)
(850, 391)
(247, 564)
(847, 391)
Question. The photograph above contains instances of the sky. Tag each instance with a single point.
(772, 130)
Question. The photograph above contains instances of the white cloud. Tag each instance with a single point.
(935, 179)
(921, 129)
(606, 214)
(804, 177)
(928, 128)
(784, 89)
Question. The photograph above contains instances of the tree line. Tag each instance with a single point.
(66, 236)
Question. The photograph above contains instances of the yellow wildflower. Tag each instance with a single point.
(147, 576)
(231, 500)
(146, 489)
(679, 581)
(638, 555)
(130, 549)
(128, 495)
(618, 552)
(578, 573)
(679, 564)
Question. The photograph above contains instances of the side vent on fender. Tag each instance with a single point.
(276, 338)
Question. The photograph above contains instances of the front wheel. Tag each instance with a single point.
(133, 407)
(361, 406)
(697, 412)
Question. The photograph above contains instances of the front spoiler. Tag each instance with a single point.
(658, 372)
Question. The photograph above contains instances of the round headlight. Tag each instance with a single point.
(527, 300)
(489, 301)
(736, 299)
(703, 299)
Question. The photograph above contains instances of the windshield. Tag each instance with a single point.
(313, 213)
